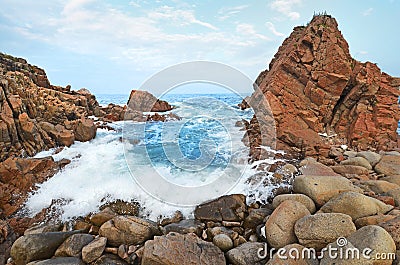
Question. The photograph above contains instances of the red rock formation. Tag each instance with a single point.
(315, 87)
(144, 101)
(35, 115)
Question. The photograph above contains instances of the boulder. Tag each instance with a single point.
(85, 130)
(305, 200)
(355, 204)
(94, 249)
(128, 230)
(224, 242)
(373, 220)
(145, 102)
(395, 194)
(313, 168)
(392, 179)
(246, 253)
(103, 216)
(181, 249)
(378, 186)
(389, 165)
(37, 246)
(226, 208)
(345, 247)
(316, 231)
(73, 245)
(372, 157)
(279, 228)
(322, 188)
(59, 261)
(43, 228)
(350, 170)
(185, 227)
(110, 259)
(377, 239)
(392, 226)
(357, 161)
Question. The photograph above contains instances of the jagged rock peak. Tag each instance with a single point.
(316, 89)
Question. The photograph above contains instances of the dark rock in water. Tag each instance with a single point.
(186, 227)
(73, 245)
(226, 208)
(110, 259)
(246, 254)
(37, 246)
(59, 261)
(181, 249)
(128, 230)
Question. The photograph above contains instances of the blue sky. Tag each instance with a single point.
(114, 46)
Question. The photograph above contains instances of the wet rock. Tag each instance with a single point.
(94, 249)
(246, 254)
(355, 204)
(305, 200)
(73, 245)
(43, 228)
(101, 217)
(146, 102)
(279, 228)
(389, 165)
(128, 230)
(181, 249)
(322, 188)
(37, 246)
(316, 231)
(226, 208)
(256, 217)
(185, 227)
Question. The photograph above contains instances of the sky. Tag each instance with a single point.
(111, 47)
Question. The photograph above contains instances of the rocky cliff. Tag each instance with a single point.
(320, 95)
(35, 115)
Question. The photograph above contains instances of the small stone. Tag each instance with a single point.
(246, 253)
(185, 227)
(94, 249)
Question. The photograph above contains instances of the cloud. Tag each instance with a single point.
(367, 12)
(248, 30)
(271, 27)
(227, 12)
(285, 7)
(184, 17)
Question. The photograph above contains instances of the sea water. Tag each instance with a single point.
(189, 152)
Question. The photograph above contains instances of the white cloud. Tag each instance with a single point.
(367, 12)
(248, 30)
(184, 17)
(285, 7)
(227, 12)
(272, 28)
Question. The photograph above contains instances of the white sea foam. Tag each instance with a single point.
(98, 171)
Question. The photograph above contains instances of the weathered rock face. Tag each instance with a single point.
(35, 115)
(18, 176)
(314, 86)
(144, 101)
